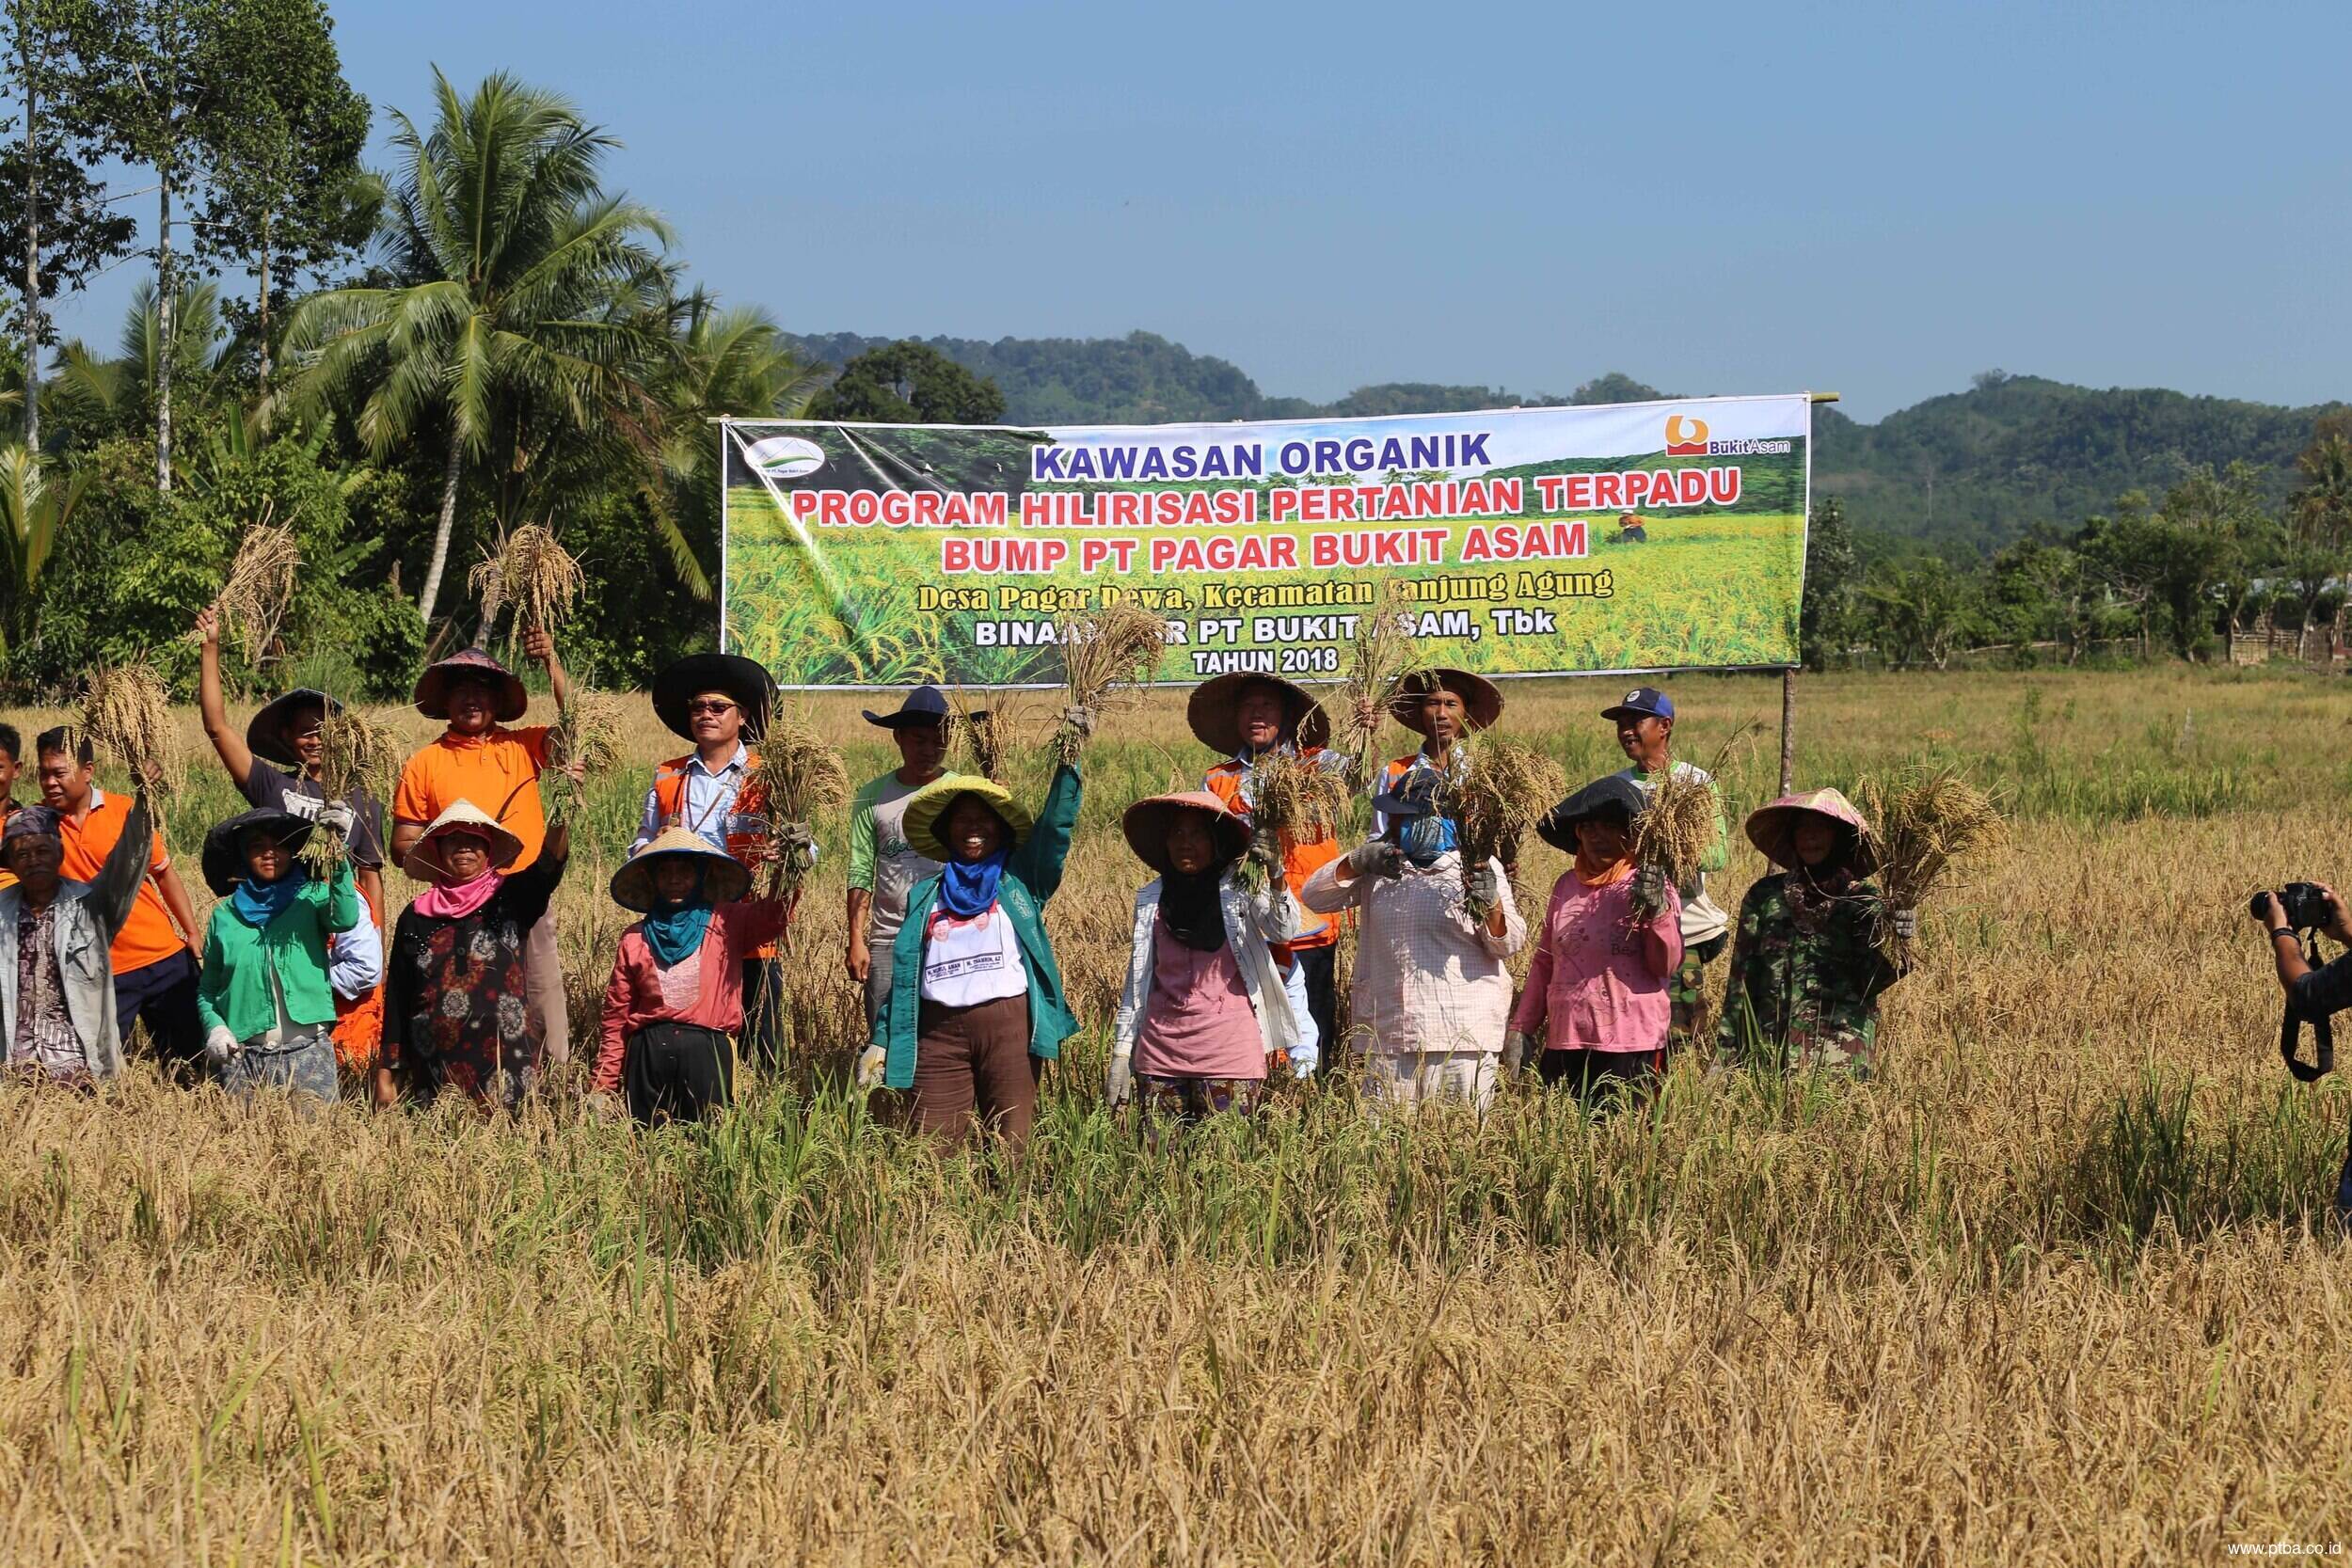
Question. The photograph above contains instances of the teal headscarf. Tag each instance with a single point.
(675, 931)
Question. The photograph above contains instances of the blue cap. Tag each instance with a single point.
(1639, 703)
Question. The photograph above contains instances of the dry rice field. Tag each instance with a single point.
(2055, 1288)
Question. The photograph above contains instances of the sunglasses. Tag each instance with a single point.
(709, 707)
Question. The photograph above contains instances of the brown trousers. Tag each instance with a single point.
(974, 1059)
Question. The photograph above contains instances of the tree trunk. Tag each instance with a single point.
(264, 305)
(164, 326)
(441, 535)
(32, 236)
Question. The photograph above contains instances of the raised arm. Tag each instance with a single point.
(540, 648)
(116, 888)
(1039, 861)
(235, 755)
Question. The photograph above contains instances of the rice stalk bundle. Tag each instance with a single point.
(1292, 802)
(260, 588)
(1496, 797)
(360, 756)
(1118, 644)
(980, 739)
(1678, 829)
(126, 717)
(1921, 827)
(531, 576)
(799, 780)
(587, 730)
(1380, 657)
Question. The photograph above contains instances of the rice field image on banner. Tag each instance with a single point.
(1536, 540)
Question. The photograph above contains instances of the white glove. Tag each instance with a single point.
(870, 1063)
(1304, 1060)
(220, 1045)
(1649, 887)
(338, 819)
(1906, 925)
(1118, 1081)
(1516, 1050)
(1376, 857)
(607, 1107)
(1079, 718)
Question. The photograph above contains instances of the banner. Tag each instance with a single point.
(1532, 541)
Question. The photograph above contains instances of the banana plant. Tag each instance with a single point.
(34, 509)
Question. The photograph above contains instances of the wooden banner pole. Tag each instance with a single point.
(1788, 732)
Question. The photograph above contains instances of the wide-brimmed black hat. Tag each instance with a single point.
(432, 694)
(1611, 796)
(1482, 701)
(224, 847)
(925, 704)
(263, 736)
(745, 680)
(1210, 712)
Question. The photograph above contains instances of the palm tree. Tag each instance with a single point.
(518, 315)
(34, 510)
(90, 390)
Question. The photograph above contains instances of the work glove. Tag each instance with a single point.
(338, 819)
(1649, 887)
(1376, 857)
(220, 1045)
(1516, 1048)
(1118, 1081)
(799, 844)
(1484, 886)
(1079, 716)
(605, 1107)
(870, 1063)
(1906, 925)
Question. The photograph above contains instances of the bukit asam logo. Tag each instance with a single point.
(1687, 438)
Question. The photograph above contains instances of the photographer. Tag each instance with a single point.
(2312, 994)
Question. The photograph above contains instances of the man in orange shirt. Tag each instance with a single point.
(478, 759)
(155, 964)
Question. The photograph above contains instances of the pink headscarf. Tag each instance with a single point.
(456, 900)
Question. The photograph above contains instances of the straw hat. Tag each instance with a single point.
(462, 817)
(724, 879)
(1481, 702)
(743, 680)
(931, 801)
(1611, 793)
(1210, 712)
(1147, 820)
(223, 858)
(1774, 828)
(432, 694)
(262, 737)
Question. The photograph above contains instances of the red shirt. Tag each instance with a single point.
(633, 998)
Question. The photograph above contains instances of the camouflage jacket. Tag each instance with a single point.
(1807, 982)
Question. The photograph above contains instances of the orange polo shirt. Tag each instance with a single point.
(497, 770)
(146, 937)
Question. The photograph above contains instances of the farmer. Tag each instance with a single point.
(481, 761)
(1629, 531)
(1430, 988)
(975, 1001)
(1645, 729)
(286, 731)
(1246, 718)
(11, 756)
(719, 701)
(1596, 1011)
(884, 866)
(456, 984)
(153, 953)
(2311, 994)
(1444, 706)
(677, 993)
(1203, 1019)
(266, 998)
(1806, 968)
(57, 985)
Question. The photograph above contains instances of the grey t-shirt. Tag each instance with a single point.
(881, 859)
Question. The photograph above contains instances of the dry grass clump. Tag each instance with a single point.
(1381, 657)
(1676, 830)
(1118, 644)
(587, 730)
(1922, 827)
(981, 740)
(1496, 797)
(800, 781)
(361, 755)
(126, 718)
(532, 576)
(259, 587)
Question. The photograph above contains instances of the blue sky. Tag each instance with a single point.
(1876, 200)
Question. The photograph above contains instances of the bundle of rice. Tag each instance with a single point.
(259, 587)
(587, 729)
(1118, 644)
(1496, 797)
(361, 754)
(1381, 656)
(1678, 829)
(798, 780)
(980, 739)
(126, 718)
(1920, 829)
(530, 574)
(1291, 801)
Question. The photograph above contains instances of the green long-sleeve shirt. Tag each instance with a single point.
(234, 993)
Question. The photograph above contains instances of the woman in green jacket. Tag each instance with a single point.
(975, 1001)
(266, 1004)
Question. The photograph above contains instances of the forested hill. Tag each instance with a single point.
(1973, 468)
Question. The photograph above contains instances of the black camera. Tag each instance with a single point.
(2301, 905)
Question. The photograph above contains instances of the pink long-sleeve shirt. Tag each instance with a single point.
(635, 995)
(1599, 979)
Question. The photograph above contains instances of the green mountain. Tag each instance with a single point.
(1970, 471)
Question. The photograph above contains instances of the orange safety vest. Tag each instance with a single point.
(747, 823)
(1299, 861)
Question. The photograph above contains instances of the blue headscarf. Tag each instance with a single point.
(968, 888)
(258, 903)
(675, 931)
(1423, 831)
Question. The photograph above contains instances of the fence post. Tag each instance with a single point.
(1787, 731)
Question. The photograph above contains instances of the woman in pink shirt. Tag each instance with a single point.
(1204, 1008)
(1597, 1005)
(677, 993)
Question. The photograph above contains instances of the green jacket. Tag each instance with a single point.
(234, 993)
(1031, 877)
